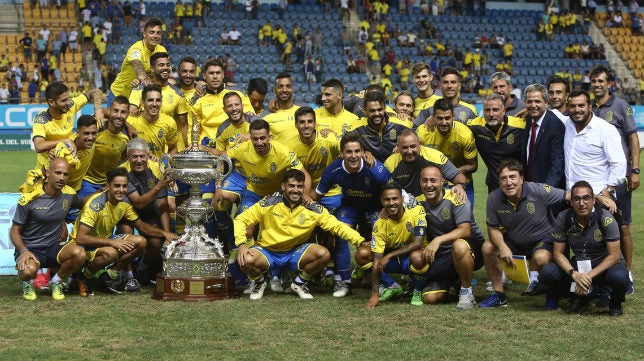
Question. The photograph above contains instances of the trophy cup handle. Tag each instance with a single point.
(222, 167)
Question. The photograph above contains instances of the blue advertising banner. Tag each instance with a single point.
(20, 116)
(8, 202)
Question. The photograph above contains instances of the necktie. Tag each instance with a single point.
(533, 138)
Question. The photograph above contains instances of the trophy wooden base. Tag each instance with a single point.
(193, 289)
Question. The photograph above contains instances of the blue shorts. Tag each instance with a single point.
(88, 188)
(352, 216)
(398, 265)
(331, 203)
(46, 255)
(234, 183)
(248, 198)
(287, 259)
(110, 97)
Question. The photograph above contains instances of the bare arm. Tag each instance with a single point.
(634, 141)
(15, 233)
(142, 200)
(140, 71)
(462, 231)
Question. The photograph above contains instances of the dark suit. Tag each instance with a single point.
(548, 159)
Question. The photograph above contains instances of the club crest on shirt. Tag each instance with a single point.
(323, 151)
(301, 218)
(273, 167)
(462, 116)
(160, 134)
(609, 116)
(456, 146)
(510, 139)
(150, 183)
(597, 235)
(392, 134)
(409, 227)
(367, 181)
(530, 207)
(446, 214)
(65, 205)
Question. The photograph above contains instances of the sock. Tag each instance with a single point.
(328, 273)
(393, 285)
(303, 277)
(503, 278)
(56, 278)
(534, 276)
(467, 290)
(130, 274)
(630, 276)
(343, 260)
(386, 280)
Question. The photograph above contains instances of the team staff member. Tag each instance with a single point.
(394, 237)
(287, 226)
(109, 148)
(454, 249)
(406, 164)
(56, 123)
(593, 234)
(38, 224)
(501, 84)
(521, 209)
(558, 90)
(208, 110)
(617, 112)
(155, 127)
(361, 186)
(454, 139)
(136, 63)
(93, 230)
(332, 115)
(498, 137)
(147, 191)
(450, 87)
(174, 104)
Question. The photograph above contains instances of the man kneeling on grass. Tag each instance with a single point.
(286, 227)
(93, 230)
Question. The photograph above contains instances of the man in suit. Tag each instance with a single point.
(542, 152)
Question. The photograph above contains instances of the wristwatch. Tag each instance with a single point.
(570, 272)
(635, 171)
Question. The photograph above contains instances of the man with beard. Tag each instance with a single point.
(136, 63)
(109, 148)
(256, 91)
(450, 86)
(283, 243)
(379, 135)
(147, 192)
(361, 186)
(395, 236)
(618, 113)
(283, 119)
(93, 231)
(406, 164)
(558, 90)
(55, 124)
(174, 104)
(155, 127)
(208, 110)
(332, 117)
(542, 152)
(38, 232)
(187, 72)
(84, 140)
(497, 136)
(454, 249)
(454, 139)
(501, 85)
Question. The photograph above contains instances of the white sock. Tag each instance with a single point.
(467, 290)
(503, 278)
(56, 278)
(534, 276)
(394, 285)
(630, 276)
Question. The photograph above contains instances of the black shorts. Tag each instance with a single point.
(47, 255)
(548, 245)
(624, 200)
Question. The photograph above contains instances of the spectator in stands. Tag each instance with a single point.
(234, 36)
(27, 43)
(41, 48)
(636, 26)
(229, 72)
(31, 90)
(4, 63)
(617, 20)
(4, 94)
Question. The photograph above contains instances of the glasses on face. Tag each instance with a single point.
(584, 198)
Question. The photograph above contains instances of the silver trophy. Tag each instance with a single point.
(194, 266)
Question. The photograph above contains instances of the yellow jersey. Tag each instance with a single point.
(108, 150)
(284, 227)
(138, 51)
(101, 216)
(339, 123)
(422, 103)
(159, 135)
(390, 234)
(315, 157)
(282, 124)
(209, 110)
(459, 145)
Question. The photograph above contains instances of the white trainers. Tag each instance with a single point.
(258, 290)
(341, 289)
(249, 287)
(276, 284)
(301, 290)
(466, 300)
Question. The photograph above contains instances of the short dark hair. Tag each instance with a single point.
(449, 70)
(151, 88)
(388, 186)
(120, 99)
(283, 75)
(510, 164)
(577, 92)
(213, 62)
(54, 90)
(296, 174)
(351, 137)
(231, 94)
(257, 85)
(259, 124)
(188, 59)
(374, 97)
(153, 22)
(303, 111)
(444, 104)
(602, 69)
(157, 56)
(559, 80)
(333, 83)
(86, 121)
(116, 172)
(581, 184)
